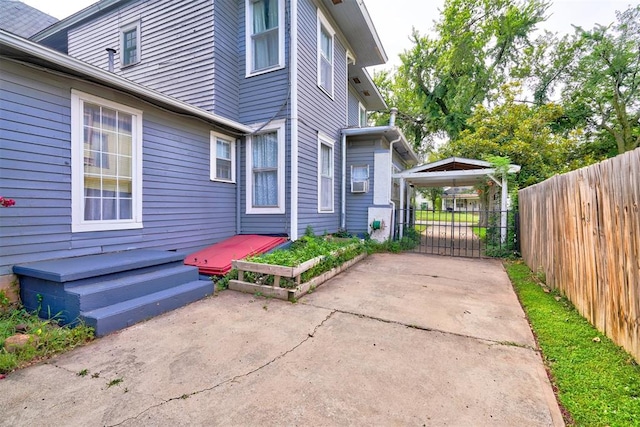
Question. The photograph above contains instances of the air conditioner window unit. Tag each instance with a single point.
(360, 186)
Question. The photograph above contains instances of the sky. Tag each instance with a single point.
(394, 20)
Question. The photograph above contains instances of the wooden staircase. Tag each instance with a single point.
(110, 291)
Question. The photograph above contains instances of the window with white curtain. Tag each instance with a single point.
(265, 35)
(265, 170)
(325, 54)
(223, 158)
(325, 175)
(106, 164)
(359, 178)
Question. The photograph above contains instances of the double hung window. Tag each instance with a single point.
(222, 158)
(265, 35)
(265, 171)
(130, 44)
(325, 54)
(325, 176)
(106, 171)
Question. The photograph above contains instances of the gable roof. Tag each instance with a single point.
(16, 48)
(454, 171)
(23, 20)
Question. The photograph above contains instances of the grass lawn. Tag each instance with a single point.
(49, 338)
(447, 216)
(597, 382)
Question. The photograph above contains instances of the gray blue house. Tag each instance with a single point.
(162, 125)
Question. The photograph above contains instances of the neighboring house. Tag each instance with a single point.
(21, 19)
(460, 199)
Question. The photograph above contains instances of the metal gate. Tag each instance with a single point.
(460, 233)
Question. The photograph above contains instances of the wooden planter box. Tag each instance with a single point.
(279, 271)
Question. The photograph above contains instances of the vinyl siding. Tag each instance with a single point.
(177, 45)
(226, 90)
(263, 98)
(182, 209)
(318, 113)
(358, 154)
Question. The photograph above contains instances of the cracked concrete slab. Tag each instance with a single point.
(339, 356)
(469, 297)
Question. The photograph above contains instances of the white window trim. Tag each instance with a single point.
(361, 110)
(123, 29)
(249, 72)
(78, 223)
(213, 150)
(324, 140)
(279, 127)
(323, 22)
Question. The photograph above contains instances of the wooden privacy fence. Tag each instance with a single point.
(582, 231)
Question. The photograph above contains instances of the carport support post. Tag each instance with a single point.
(402, 209)
(503, 207)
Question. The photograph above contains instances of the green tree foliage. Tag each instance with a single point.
(603, 87)
(445, 77)
(522, 132)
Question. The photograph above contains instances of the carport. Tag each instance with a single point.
(456, 172)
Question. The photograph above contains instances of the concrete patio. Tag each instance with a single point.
(404, 339)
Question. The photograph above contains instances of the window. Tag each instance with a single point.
(265, 170)
(325, 175)
(325, 54)
(223, 158)
(106, 164)
(360, 178)
(362, 119)
(264, 35)
(130, 44)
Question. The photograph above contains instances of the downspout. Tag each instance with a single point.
(392, 123)
(238, 180)
(293, 67)
(343, 190)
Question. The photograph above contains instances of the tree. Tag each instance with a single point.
(478, 43)
(603, 88)
(522, 132)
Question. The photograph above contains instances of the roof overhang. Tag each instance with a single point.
(356, 25)
(363, 84)
(16, 48)
(77, 18)
(392, 134)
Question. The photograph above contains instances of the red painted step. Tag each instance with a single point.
(216, 260)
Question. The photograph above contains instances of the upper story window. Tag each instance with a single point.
(106, 164)
(223, 158)
(264, 35)
(265, 170)
(130, 44)
(362, 116)
(325, 54)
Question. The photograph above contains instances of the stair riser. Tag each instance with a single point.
(118, 320)
(119, 292)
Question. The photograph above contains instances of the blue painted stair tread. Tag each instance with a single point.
(76, 268)
(110, 291)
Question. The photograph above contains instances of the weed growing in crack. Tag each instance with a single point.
(114, 382)
(83, 373)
